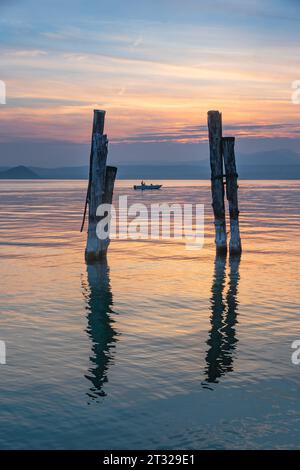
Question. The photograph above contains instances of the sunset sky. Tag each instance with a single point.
(157, 67)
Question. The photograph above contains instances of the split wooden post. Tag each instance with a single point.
(217, 185)
(110, 176)
(100, 188)
(235, 246)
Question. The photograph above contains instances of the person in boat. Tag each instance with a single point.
(143, 183)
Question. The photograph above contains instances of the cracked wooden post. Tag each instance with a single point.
(100, 188)
(110, 176)
(217, 185)
(235, 246)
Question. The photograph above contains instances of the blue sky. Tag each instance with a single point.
(157, 67)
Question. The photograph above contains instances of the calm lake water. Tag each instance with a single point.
(159, 348)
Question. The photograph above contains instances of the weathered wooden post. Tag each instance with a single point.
(235, 246)
(100, 187)
(110, 176)
(217, 185)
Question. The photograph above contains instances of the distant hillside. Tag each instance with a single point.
(18, 172)
(281, 157)
(281, 164)
(68, 172)
(198, 171)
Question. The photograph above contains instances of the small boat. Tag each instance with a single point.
(147, 186)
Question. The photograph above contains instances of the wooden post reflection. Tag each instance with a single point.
(100, 326)
(222, 337)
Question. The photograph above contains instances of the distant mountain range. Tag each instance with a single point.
(19, 172)
(282, 164)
